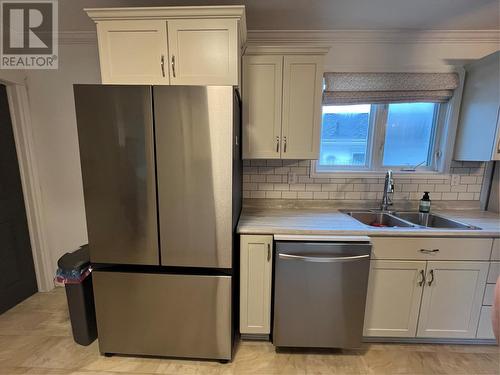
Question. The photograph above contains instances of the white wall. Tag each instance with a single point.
(54, 124)
(56, 145)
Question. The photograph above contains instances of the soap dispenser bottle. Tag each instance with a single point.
(425, 203)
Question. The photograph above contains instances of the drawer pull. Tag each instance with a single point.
(422, 281)
(429, 251)
(432, 277)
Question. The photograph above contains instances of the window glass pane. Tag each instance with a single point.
(409, 132)
(344, 135)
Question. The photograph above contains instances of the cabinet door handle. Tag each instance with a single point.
(172, 63)
(277, 144)
(268, 252)
(162, 64)
(429, 251)
(284, 144)
(431, 273)
(422, 280)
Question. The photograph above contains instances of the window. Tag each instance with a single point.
(374, 137)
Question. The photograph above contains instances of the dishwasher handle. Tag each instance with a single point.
(323, 259)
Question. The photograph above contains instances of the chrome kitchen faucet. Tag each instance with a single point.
(388, 189)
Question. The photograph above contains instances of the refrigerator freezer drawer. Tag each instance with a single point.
(164, 314)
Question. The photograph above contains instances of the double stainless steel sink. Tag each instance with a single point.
(406, 219)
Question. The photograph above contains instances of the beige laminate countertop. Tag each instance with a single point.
(330, 221)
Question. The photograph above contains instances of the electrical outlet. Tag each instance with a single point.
(455, 179)
(292, 177)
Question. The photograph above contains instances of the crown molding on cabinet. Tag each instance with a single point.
(287, 49)
(329, 37)
(77, 37)
(218, 11)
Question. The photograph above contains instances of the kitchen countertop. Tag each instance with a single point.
(330, 221)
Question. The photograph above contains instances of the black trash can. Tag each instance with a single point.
(75, 272)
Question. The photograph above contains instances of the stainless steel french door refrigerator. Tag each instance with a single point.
(161, 168)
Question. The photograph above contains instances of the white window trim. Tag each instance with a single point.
(441, 148)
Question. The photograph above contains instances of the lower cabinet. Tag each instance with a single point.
(427, 299)
(393, 299)
(256, 253)
(452, 299)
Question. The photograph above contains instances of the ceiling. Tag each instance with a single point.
(323, 14)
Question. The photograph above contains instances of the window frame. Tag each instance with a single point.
(375, 150)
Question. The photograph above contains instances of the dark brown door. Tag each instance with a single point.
(17, 273)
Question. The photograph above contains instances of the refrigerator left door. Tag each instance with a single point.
(115, 132)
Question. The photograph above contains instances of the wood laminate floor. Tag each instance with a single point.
(35, 338)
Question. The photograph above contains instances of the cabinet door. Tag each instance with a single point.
(496, 148)
(393, 300)
(452, 299)
(203, 51)
(479, 110)
(133, 52)
(262, 93)
(302, 90)
(255, 286)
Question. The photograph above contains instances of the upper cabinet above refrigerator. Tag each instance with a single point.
(170, 45)
(478, 137)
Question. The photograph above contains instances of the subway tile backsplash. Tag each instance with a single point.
(268, 179)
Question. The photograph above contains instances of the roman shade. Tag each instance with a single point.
(380, 88)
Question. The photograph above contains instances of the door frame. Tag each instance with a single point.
(17, 95)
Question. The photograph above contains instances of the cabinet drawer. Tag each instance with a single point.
(485, 329)
(494, 272)
(489, 295)
(432, 248)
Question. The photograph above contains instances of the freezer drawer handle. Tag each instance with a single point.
(323, 260)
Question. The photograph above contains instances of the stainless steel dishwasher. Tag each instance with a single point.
(320, 290)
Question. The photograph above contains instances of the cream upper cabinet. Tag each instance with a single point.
(393, 299)
(133, 51)
(203, 52)
(302, 91)
(255, 284)
(192, 45)
(452, 299)
(282, 92)
(262, 87)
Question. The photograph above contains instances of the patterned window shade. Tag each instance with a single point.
(380, 88)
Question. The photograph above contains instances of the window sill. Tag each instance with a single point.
(418, 174)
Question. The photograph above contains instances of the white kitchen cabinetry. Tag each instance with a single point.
(418, 288)
(393, 299)
(282, 91)
(478, 137)
(452, 299)
(255, 284)
(203, 52)
(133, 51)
(170, 45)
(262, 92)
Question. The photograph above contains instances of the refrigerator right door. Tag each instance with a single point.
(194, 149)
